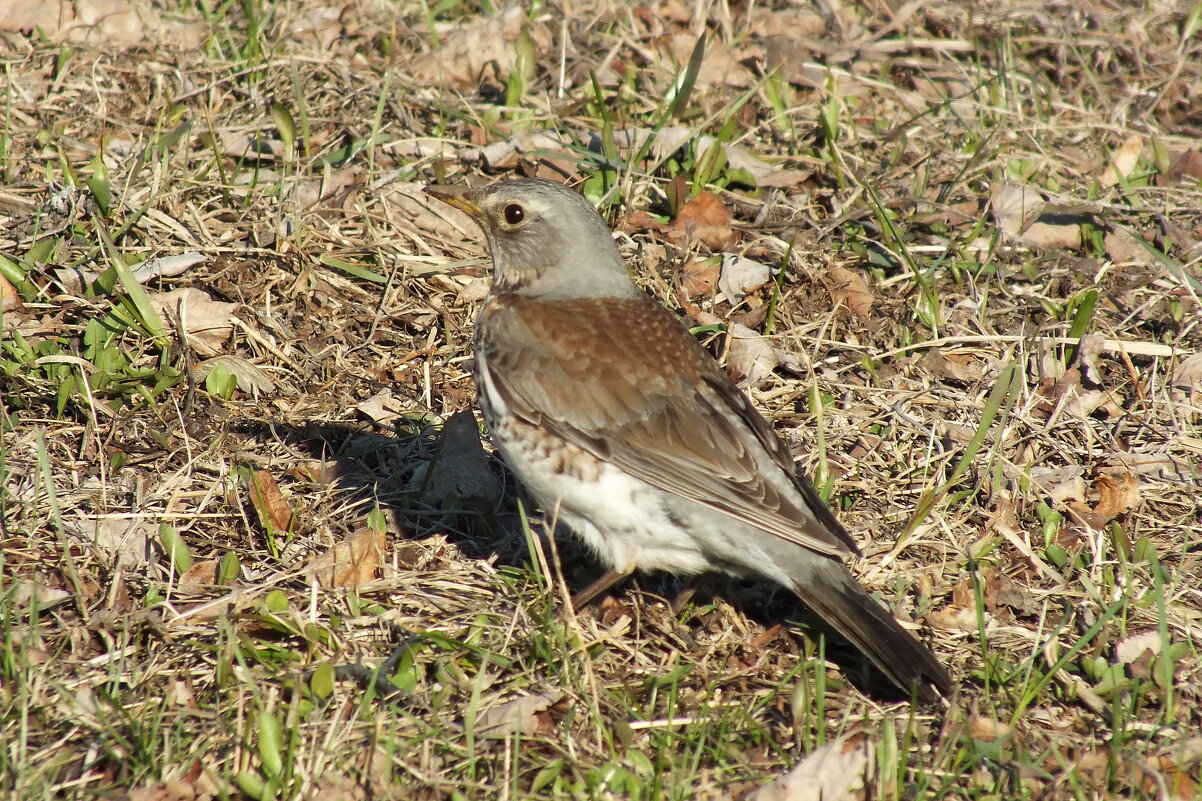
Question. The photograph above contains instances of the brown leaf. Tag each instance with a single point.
(351, 563)
(470, 52)
(206, 322)
(698, 278)
(198, 578)
(1123, 160)
(121, 538)
(704, 217)
(320, 25)
(265, 496)
(741, 276)
(989, 730)
(408, 204)
(954, 618)
(1021, 212)
(1117, 495)
(718, 66)
(527, 716)
(9, 299)
(1187, 378)
(333, 785)
(1076, 401)
(1136, 652)
(1187, 165)
(637, 221)
(251, 378)
(381, 408)
(47, 597)
(955, 366)
(1014, 206)
(849, 289)
(115, 23)
(335, 189)
(749, 357)
(1122, 247)
(835, 772)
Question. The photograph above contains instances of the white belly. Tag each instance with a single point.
(622, 519)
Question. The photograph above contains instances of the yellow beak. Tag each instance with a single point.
(461, 197)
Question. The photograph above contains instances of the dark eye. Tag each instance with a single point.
(514, 214)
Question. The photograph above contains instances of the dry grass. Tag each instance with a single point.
(1028, 495)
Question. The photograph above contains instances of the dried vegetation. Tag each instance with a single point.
(952, 250)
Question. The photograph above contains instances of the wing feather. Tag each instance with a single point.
(673, 419)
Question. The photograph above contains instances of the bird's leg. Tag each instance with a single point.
(607, 580)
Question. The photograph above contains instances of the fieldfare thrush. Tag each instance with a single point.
(624, 428)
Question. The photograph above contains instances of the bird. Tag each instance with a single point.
(626, 430)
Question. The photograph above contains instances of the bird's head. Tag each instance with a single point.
(545, 239)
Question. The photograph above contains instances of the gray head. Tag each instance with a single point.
(545, 239)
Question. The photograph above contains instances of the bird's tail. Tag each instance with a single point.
(835, 595)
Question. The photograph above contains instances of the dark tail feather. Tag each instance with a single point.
(842, 602)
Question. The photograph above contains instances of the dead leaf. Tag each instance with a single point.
(527, 716)
(1123, 247)
(741, 276)
(199, 578)
(1187, 378)
(475, 290)
(334, 189)
(638, 220)
(195, 785)
(989, 730)
(706, 218)
(1118, 494)
(318, 24)
(206, 322)
(849, 289)
(352, 563)
(409, 203)
(114, 22)
(1021, 212)
(1186, 165)
(166, 266)
(9, 299)
(954, 618)
(1074, 400)
(672, 138)
(718, 66)
(750, 358)
(381, 408)
(333, 785)
(48, 17)
(698, 278)
(954, 366)
(1123, 160)
(252, 148)
(1071, 489)
(319, 471)
(541, 153)
(126, 540)
(1135, 647)
(251, 378)
(834, 772)
(26, 593)
(265, 496)
(467, 53)
(460, 469)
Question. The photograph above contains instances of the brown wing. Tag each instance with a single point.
(651, 401)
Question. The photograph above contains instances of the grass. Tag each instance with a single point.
(1009, 430)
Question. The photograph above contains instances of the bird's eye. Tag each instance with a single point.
(514, 214)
